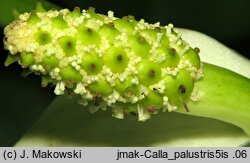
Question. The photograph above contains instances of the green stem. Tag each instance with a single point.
(224, 95)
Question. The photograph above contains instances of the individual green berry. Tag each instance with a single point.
(116, 59)
(50, 61)
(92, 64)
(109, 32)
(94, 15)
(139, 45)
(100, 87)
(68, 45)
(88, 36)
(124, 25)
(179, 87)
(192, 56)
(75, 13)
(186, 83)
(26, 59)
(172, 90)
(59, 22)
(148, 72)
(155, 36)
(69, 73)
(11, 59)
(127, 88)
(152, 102)
(33, 19)
(43, 37)
(149, 34)
(93, 20)
(171, 57)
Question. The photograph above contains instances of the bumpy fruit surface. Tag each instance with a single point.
(128, 65)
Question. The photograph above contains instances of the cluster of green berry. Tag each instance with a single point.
(131, 66)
